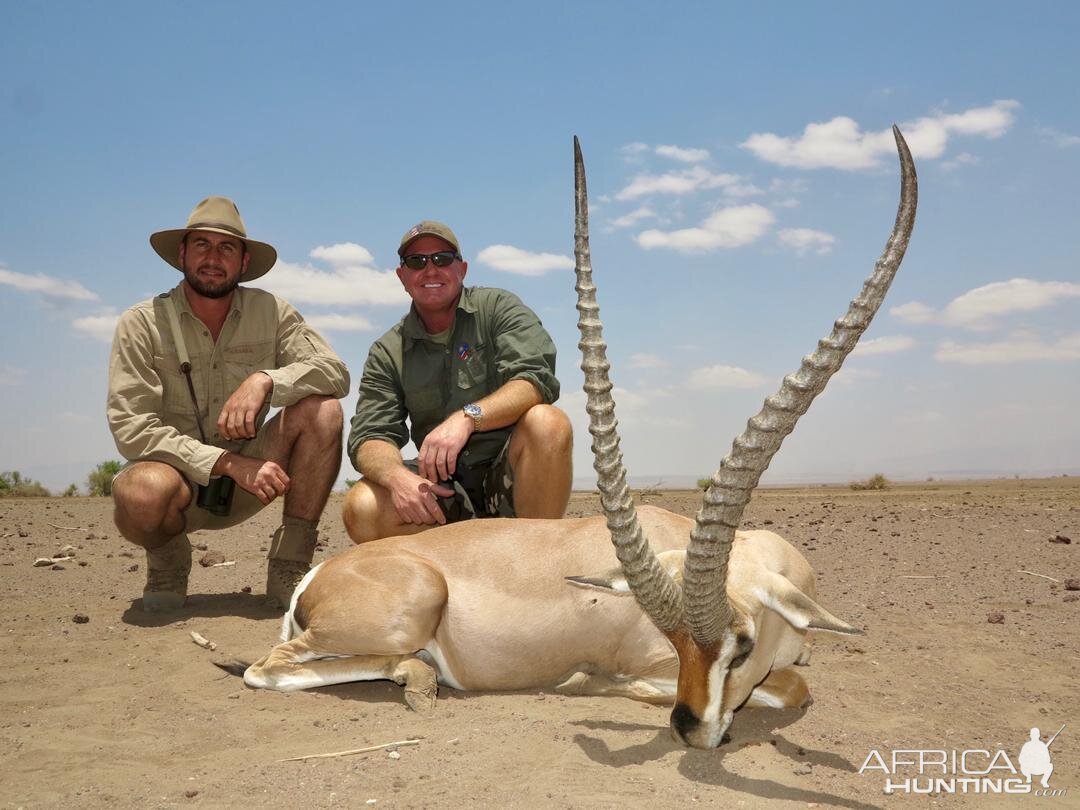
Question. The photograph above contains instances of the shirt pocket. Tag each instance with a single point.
(244, 359)
(473, 372)
(174, 388)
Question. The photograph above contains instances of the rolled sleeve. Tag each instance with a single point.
(524, 349)
(380, 410)
(134, 406)
(306, 364)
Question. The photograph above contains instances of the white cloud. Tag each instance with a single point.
(683, 155)
(99, 327)
(724, 377)
(46, 285)
(841, 144)
(727, 228)
(12, 375)
(805, 240)
(1062, 140)
(682, 182)
(889, 344)
(1020, 348)
(974, 309)
(351, 281)
(633, 152)
(963, 159)
(643, 360)
(344, 254)
(510, 259)
(634, 217)
(335, 322)
(913, 312)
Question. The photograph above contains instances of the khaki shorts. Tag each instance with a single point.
(244, 505)
(486, 490)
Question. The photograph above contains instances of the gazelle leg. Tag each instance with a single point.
(292, 665)
(657, 691)
(781, 689)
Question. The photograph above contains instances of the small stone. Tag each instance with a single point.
(371, 801)
(1060, 538)
(83, 563)
(803, 769)
(58, 567)
(80, 618)
(66, 551)
(246, 589)
(996, 618)
(42, 562)
(541, 696)
(1072, 584)
(190, 794)
(201, 546)
(133, 568)
(126, 553)
(394, 755)
(211, 558)
(1071, 597)
(23, 533)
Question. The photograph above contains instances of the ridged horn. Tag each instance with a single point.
(705, 574)
(654, 590)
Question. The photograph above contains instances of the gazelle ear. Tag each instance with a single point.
(615, 581)
(777, 593)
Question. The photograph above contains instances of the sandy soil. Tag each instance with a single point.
(104, 705)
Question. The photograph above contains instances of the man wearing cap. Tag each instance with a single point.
(473, 370)
(192, 375)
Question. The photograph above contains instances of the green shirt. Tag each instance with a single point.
(408, 374)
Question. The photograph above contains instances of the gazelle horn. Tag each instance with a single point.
(704, 578)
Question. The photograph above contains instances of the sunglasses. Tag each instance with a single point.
(418, 261)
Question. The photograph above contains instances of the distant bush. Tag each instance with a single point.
(704, 483)
(12, 484)
(71, 491)
(875, 481)
(99, 482)
(351, 482)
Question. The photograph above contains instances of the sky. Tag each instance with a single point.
(742, 178)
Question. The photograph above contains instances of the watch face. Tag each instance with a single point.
(472, 410)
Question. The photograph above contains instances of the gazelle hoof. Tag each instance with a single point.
(421, 701)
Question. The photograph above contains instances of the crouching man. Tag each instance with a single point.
(473, 372)
(192, 375)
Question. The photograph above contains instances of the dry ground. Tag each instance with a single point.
(123, 710)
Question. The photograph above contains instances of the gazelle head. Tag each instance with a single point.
(713, 637)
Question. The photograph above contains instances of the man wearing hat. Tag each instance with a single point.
(473, 370)
(192, 375)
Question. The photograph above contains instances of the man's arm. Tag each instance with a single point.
(412, 496)
(306, 364)
(135, 406)
(502, 407)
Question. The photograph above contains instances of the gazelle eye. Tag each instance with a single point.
(738, 660)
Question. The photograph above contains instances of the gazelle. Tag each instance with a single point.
(719, 615)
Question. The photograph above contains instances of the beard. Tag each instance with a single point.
(209, 289)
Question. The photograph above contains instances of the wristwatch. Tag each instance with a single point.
(472, 410)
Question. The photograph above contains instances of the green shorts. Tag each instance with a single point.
(481, 491)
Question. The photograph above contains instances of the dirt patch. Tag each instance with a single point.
(106, 706)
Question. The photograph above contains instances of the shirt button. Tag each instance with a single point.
(206, 334)
(215, 365)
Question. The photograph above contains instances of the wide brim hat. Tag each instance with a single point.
(218, 215)
(429, 227)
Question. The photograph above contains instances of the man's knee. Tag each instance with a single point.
(146, 496)
(319, 413)
(360, 512)
(548, 426)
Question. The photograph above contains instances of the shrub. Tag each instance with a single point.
(13, 484)
(99, 482)
(71, 491)
(703, 483)
(875, 481)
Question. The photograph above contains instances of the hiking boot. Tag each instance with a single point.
(167, 570)
(282, 577)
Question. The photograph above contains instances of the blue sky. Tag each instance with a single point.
(741, 189)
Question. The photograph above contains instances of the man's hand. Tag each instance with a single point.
(414, 498)
(263, 479)
(439, 453)
(238, 414)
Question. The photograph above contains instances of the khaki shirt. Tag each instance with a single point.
(409, 373)
(149, 407)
